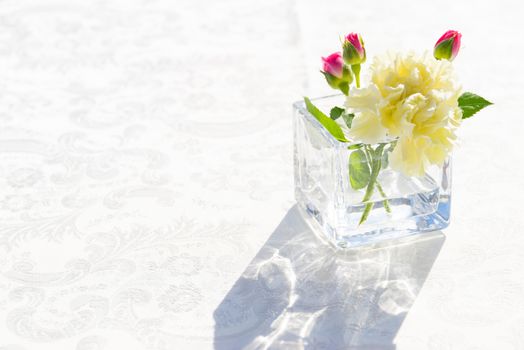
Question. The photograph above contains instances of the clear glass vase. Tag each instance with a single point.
(349, 214)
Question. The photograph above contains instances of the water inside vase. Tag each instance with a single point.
(406, 197)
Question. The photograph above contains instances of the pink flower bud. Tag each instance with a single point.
(353, 49)
(333, 64)
(337, 74)
(447, 47)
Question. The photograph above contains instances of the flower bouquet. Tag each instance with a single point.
(374, 162)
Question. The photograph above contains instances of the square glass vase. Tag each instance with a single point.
(397, 205)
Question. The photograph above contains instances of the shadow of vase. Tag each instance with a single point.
(300, 293)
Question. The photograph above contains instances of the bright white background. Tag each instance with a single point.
(146, 191)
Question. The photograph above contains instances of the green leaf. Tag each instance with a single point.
(471, 104)
(356, 146)
(348, 119)
(329, 124)
(359, 172)
(336, 112)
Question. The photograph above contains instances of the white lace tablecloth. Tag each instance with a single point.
(146, 190)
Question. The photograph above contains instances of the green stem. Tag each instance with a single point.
(368, 150)
(356, 70)
(365, 213)
(383, 194)
(376, 156)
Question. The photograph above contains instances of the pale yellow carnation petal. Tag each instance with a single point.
(411, 98)
(367, 125)
(409, 156)
(367, 128)
(360, 99)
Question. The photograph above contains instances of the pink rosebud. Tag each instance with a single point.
(353, 49)
(447, 47)
(337, 74)
(333, 64)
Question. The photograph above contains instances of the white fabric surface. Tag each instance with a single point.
(146, 191)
